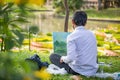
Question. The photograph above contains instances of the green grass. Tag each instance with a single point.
(110, 13)
(14, 67)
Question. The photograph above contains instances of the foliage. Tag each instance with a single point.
(43, 74)
(42, 38)
(41, 41)
(111, 13)
(49, 34)
(9, 30)
(33, 29)
(108, 39)
(14, 67)
(73, 5)
(13, 12)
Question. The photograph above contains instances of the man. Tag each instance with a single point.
(81, 55)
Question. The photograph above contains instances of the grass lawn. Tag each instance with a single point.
(110, 13)
(14, 67)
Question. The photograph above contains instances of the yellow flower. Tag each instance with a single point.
(37, 2)
(18, 2)
(2, 2)
(27, 78)
(42, 74)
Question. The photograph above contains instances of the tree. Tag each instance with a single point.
(67, 16)
(73, 5)
(99, 4)
(62, 7)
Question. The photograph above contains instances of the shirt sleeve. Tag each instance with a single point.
(71, 51)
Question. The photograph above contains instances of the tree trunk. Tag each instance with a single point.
(99, 4)
(67, 16)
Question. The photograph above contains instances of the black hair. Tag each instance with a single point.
(80, 18)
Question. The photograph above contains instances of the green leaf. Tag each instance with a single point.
(22, 20)
(33, 29)
(15, 26)
(7, 7)
(6, 18)
(9, 43)
(20, 36)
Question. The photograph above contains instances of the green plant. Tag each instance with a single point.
(111, 13)
(14, 67)
(49, 34)
(73, 5)
(10, 32)
(12, 13)
(32, 30)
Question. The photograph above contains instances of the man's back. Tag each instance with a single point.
(85, 53)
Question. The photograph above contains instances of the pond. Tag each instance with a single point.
(48, 23)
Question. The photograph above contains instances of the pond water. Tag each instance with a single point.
(48, 23)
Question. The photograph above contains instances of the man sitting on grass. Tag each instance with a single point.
(81, 55)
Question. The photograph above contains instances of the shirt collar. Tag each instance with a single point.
(79, 27)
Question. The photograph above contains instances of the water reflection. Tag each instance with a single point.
(49, 23)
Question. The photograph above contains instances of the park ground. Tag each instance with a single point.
(14, 67)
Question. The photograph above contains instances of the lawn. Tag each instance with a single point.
(14, 67)
(110, 13)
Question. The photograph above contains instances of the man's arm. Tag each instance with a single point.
(71, 52)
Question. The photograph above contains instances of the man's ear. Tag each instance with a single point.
(73, 22)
